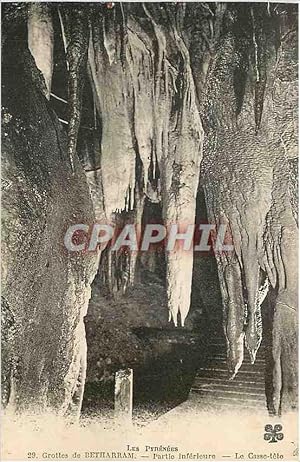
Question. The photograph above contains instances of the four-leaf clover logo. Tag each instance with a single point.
(273, 434)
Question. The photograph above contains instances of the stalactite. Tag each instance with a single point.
(247, 224)
(179, 207)
(41, 39)
(146, 119)
(112, 90)
(63, 33)
(78, 39)
(162, 104)
(118, 63)
(140, 61)
(178, 137)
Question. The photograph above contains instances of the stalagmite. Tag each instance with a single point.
(233, 316)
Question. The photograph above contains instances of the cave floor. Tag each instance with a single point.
(207, 427)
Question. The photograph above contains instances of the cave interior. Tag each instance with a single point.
(157, 113)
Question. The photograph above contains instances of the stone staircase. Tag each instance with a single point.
(246, 391)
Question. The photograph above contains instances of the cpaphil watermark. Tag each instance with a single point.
(203, 238)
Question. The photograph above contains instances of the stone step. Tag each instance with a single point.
(218, 360)
(224, 390)
(222, 357)
(222, 353)
(231, 404)
(232, 397)
(223, 375)
(222, 367)
(212, 385)
(232, 384)
(221, 346)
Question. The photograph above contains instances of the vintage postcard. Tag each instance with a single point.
(149, 226)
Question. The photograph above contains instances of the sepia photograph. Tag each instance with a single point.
(149, 230)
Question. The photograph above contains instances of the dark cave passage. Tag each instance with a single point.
(164, 359)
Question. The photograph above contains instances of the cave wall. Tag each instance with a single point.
(45, 290)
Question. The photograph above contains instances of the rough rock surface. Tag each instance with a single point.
(45, 289)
